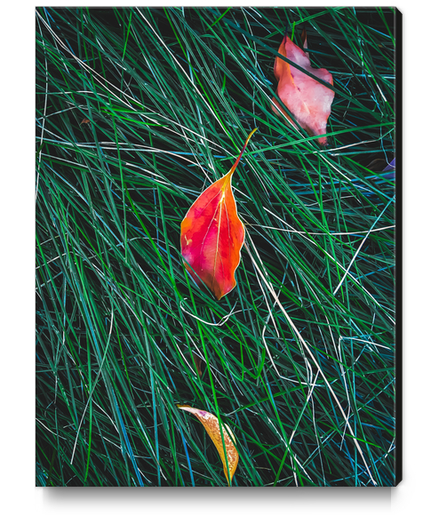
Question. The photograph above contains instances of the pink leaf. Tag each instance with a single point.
(307, 99)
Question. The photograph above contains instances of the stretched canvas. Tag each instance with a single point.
(217, 246)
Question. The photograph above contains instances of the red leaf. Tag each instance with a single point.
(308, 100)
(212, 236)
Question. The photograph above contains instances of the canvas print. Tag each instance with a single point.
(217, 246)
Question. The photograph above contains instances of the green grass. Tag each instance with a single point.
(299, 358)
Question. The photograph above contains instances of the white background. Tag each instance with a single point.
(17, 473)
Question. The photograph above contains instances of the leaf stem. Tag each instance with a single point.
(230, 172)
